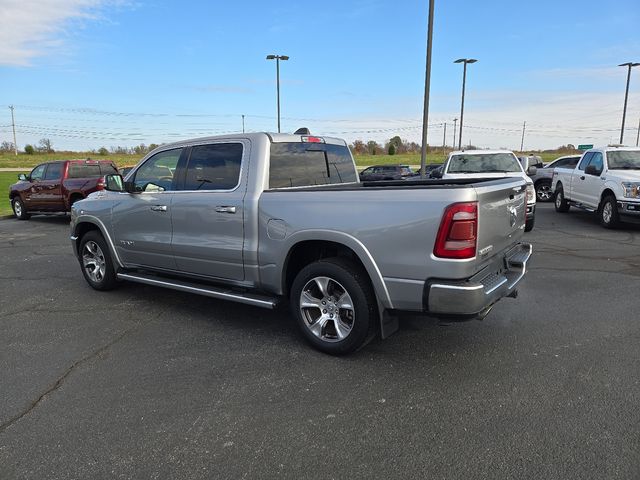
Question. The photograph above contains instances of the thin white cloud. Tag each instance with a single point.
(34, 28)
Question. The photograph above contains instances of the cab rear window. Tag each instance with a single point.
(306, 164)
(90, 170)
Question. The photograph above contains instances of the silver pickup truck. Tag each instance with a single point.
(259, 218)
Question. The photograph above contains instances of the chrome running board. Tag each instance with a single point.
(221, 293)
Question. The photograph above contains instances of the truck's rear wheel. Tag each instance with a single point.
(561, 204)
(543, 191)
(95, 260)
(608, 212)
(334, 305)
(19, 210)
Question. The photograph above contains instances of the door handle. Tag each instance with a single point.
(225, 209)
(159, 208)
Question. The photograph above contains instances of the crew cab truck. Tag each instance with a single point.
(53, 187)
(492, 164)
(605, 181)
(262, 218)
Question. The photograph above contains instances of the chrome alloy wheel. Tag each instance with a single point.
(17, 208)
(93, 261)
(607, 212)
(327, 309)
(544, 193)
(559, 198)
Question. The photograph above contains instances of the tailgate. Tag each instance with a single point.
(501, 215)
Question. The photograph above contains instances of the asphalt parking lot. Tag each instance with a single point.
(142, 382)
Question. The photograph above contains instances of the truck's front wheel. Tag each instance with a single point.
(334, 305)
(19, 210)
(609, 217)
(95, 260)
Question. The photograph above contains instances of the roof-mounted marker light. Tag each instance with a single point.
(309, 139)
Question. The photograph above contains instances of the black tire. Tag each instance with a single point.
(356, 325)
(561, 203)
(608, 212)
(528, 226)
(19, 210)
(96, 263)
(74, 199)
(543, 191)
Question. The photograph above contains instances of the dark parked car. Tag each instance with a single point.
(386, 172)
(55, 186)
(544, 175)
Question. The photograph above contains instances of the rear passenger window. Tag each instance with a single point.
(214, 167)
(54, 171)
(303, 164)
(83, 170)
(107, 169)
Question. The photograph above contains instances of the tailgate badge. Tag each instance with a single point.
(485, 250)
(513, 215)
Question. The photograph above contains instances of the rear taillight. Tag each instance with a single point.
(101, 183)
(458, 231)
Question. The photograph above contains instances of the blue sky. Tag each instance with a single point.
(92, 73)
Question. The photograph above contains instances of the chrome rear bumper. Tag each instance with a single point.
(476, 294)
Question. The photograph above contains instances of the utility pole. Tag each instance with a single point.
(638, 134)
(453, 145)
(524, 126)
(13, 125)
(242, 123)
(427, 84)
(444, 137)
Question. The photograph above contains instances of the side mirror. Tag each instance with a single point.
(114, 183)
(592, 170)
(437, 173)
(23, 177)
(532, 170)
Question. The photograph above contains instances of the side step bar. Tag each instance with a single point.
(221, 293)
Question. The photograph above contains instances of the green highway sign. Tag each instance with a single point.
(585, 147)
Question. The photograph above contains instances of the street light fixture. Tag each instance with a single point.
(277, 58)
(629, 66)
(464, 81)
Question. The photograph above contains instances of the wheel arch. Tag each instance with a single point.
(311, 245)
(607, 192)
(87, 224)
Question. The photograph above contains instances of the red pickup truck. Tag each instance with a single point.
(55, 186)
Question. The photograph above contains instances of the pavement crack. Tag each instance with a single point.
(60, 381)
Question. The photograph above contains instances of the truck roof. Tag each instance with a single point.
(254, 136)
(479, 152)
(612, 148)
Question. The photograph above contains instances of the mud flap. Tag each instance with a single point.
(389, 324)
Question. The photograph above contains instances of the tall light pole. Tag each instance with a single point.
(277, 58)
(427, 84)
(464, 81)
(629, 66)
(524, 126)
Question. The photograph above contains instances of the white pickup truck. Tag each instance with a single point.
(605, 181)
(484, 164)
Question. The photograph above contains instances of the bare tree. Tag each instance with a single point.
(44, 145)
(6, 147)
